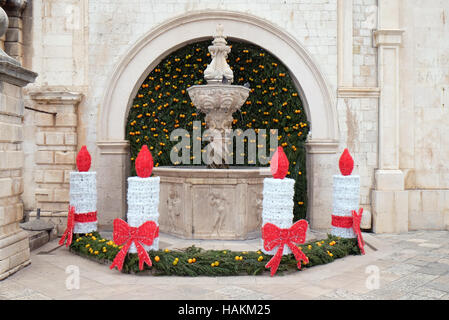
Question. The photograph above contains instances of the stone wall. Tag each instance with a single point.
(424, 111)
(55, 153)
(114, 26)
(14, 245)
(76, 45)
(14, 249)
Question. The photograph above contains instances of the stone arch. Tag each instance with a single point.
(149, 50)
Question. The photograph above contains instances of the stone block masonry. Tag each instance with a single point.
(55, 156)
(14, 248)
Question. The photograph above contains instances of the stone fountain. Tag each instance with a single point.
(217, 201)
(218, 100)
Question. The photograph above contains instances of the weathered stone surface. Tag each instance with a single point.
(211, 204)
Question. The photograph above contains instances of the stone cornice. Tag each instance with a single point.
(321, 146)
(113, 147)
(388, 37)
(15, 74)
(56, 97)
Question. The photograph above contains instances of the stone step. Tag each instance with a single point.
(39, 238)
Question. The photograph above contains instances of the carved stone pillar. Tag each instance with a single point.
(390, 201)
(14, 244)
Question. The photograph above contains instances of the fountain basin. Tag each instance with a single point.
(202, 203)
(218, 98)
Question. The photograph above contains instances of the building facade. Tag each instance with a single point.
(374, 78)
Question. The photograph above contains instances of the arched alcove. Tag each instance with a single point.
(143, 56)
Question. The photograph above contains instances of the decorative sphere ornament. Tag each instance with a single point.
(279, 164)
(346, 163)
(83, 160)
(144, 162)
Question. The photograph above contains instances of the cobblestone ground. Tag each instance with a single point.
(408, 266)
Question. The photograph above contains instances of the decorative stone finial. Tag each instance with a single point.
(219, 69)
(4, 23)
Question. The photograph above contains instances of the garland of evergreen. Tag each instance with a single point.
(195, 261)
(162, 104)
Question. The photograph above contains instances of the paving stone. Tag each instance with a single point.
(385, 294)
(435, 268)
(239, 293)
(342, 294)
(429, 293)
(411, 296)
(411, 282)
(402, 269)
(411, 272)
(417, 240)
(417, 262)
(441, 283)
(430, 245)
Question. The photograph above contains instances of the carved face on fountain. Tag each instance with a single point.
(219, 99)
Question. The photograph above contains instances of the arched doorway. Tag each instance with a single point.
(318, 101)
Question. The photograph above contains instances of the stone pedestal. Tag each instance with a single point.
(200, 203)
(14, 245)
(112, 166)
(390, 202)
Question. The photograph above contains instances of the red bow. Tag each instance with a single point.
(356, 220)
(124, 234)
(274, 236)
(68, 233)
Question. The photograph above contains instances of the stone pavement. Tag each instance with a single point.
(414, 265)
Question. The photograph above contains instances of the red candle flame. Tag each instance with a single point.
(346, 163)
(279, 164)
(83, 160)
(144, 162)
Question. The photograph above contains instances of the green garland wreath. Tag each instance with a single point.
(162, 104)
(195, 261)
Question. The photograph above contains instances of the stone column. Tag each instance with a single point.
(14, 244)
(14, 35)
(345, 43)
(56, 141)
(112, 166)
(389, 199)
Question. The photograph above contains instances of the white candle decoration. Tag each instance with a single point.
(346, 195)
(278, 205)
(143, 203)
(83, 197)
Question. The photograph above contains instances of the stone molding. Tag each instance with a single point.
(322, 146)
(56, 97)
(158, 42)
(387, 37)
(358, 92)
(12, 72)
(113, 147)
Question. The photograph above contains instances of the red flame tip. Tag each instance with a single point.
(279, 164)
(144, 162)
(83, 160)
(346, 163)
